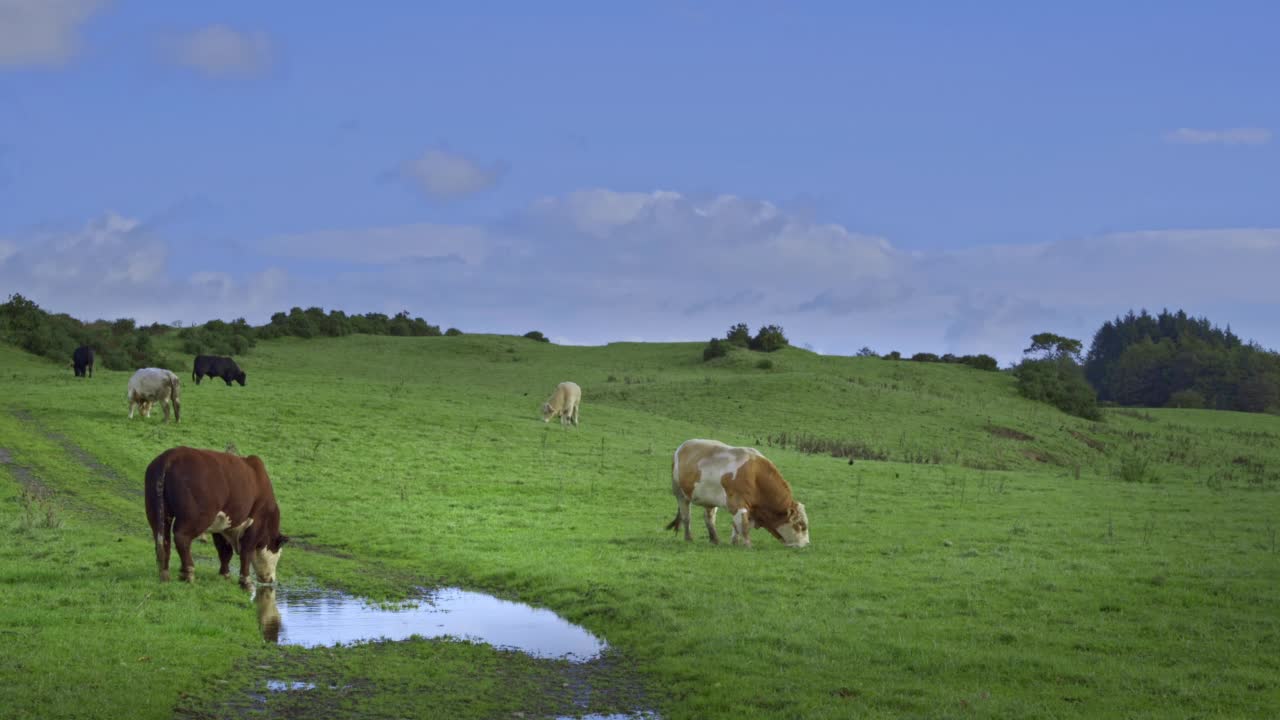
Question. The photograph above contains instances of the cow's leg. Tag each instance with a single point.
(225, 551)
(709, 514)
(575, 415)
(132, 404)
(741, 526)
(164, 405)
(246, 554)
(182, 539)
(682, 512)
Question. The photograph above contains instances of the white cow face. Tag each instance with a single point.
(547, 412)
(265, 559)
(795, 531)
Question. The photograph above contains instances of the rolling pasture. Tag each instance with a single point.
(981, 556)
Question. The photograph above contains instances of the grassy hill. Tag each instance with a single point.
(983, 556)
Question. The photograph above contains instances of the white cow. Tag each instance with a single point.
(563, 403)
(152, 385)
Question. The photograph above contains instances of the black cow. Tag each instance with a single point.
(217, 366)
(82, 361)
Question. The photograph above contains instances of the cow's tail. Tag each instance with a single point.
(675, 524)
(158, 512)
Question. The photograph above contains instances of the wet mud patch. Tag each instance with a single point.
(1091, 442)
(1009, 433)
(24, 476)
(490, 658)
(419, 678)
(82, 456)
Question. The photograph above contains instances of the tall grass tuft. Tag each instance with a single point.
(1136, 468)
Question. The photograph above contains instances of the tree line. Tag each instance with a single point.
(123, 345)
(1174, 360)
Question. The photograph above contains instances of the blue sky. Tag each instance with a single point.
(916, 176)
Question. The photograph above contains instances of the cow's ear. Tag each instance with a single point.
(281, 540)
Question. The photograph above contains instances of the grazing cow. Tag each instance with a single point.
(713, 475)
(564, 403)
(217, 366)
(82, 361)
(190, 492)
(152, 385)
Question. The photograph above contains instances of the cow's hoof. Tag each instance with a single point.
(246, 583)
(164, 576)
(226, 574)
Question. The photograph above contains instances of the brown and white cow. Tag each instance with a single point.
(713, 475)
(563, 403)
(190, 492)
(152, 385)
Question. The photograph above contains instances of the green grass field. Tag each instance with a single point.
(1000, 560)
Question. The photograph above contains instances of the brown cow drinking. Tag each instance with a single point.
(191, 492)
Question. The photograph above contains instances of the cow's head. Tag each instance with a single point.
(795, 531)
(547, 412)
(239, 377)
(266, 557)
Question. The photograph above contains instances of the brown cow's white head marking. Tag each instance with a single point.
(795, 531)
(265, 559)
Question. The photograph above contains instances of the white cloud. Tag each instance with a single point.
(114, 266)
(600, 266)
(42, 32)
(220, 51)
(1229, 136)
(443, 175)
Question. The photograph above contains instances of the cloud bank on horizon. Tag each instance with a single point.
(541, 210)
(597, 266)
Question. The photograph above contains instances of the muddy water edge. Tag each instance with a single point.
(333, 654)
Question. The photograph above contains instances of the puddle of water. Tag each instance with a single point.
(642, 715)
(282, 686)
(320, 618)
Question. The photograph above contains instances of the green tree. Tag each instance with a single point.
(769, 339)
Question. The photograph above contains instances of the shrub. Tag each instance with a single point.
(981, 362)
(924, 357)
(1186, 399)
(716, 348)
(866, 352)
(1059, 382)
(537, 335)
(765, 364)
(739, 335)
(769, 339)
(893, 355)
(452, 332)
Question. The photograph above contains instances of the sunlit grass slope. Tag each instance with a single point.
(1001, 560)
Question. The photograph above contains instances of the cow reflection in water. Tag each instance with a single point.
(268, 615)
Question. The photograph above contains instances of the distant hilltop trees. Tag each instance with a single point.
(769, 338)
(1174, 360)
(122, 345)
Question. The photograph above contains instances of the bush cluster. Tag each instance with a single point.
(769, 338)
